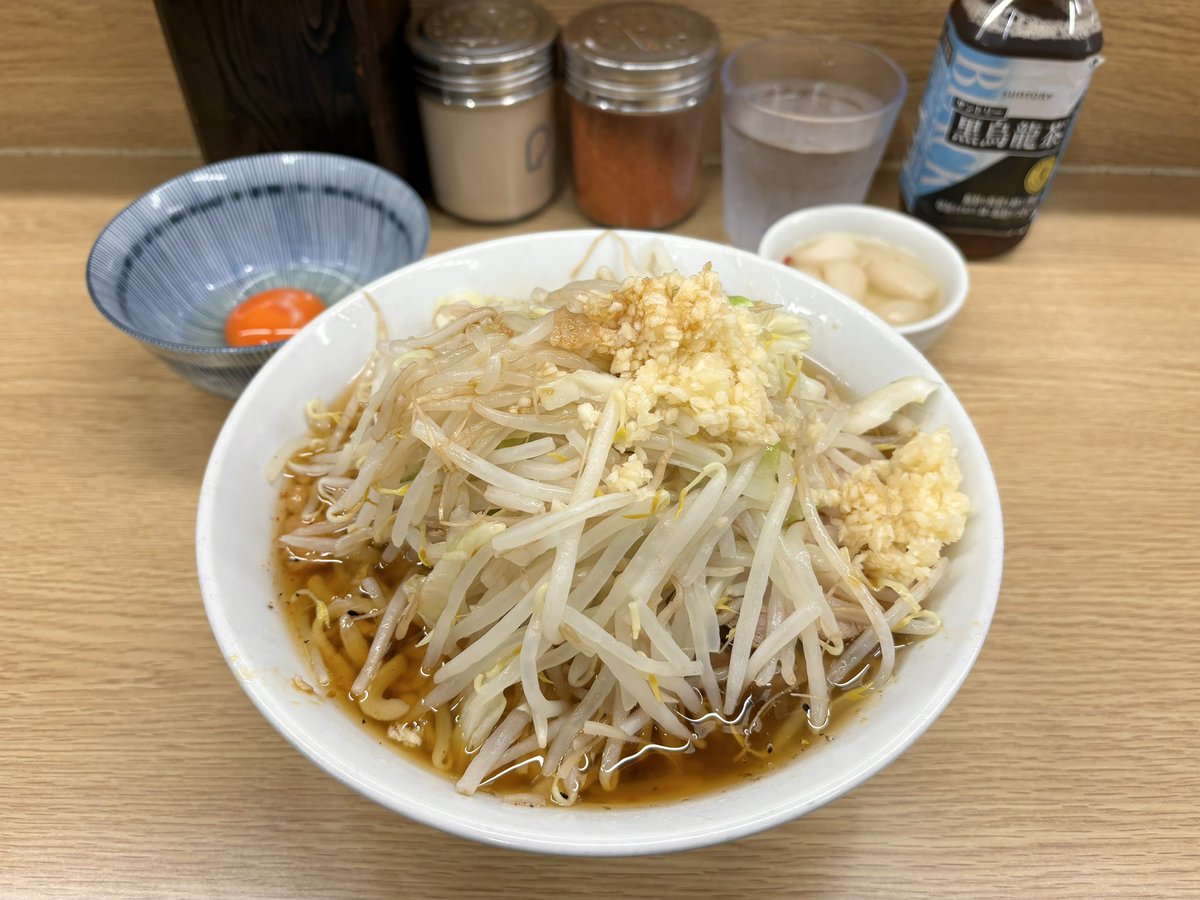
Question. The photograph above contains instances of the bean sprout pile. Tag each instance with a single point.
(556, 535)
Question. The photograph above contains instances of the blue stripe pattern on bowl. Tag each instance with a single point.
(170, 266)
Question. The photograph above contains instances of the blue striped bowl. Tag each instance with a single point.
(169, 268)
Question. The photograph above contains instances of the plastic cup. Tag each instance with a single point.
(805, 123)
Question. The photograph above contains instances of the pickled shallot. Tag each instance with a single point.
(893, 283)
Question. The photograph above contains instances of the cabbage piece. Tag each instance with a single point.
(763, 483)
(579, 385)
(480, 713)
(879, 406)
(436, 589)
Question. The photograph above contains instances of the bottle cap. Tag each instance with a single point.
(640, 57)
(483, 52)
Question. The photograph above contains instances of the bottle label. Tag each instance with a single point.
(989, 133)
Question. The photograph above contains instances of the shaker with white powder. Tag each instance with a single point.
(485, 78)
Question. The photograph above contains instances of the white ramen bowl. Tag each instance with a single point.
(234, 556)
(906, 232)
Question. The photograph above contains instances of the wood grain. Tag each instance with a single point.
(135, 767)
(84, 74)
(331, 77)
(88, 74)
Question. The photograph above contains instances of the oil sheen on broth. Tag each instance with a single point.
(722, 760)
(768, 736)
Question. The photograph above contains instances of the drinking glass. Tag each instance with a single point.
(805, 122)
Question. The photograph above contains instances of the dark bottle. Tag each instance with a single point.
(1008, 79)
(269, 75)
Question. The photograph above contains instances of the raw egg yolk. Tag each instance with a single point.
(271, 316)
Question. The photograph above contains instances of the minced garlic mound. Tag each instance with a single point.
(683, 348)
(628, 475)
(895, 515)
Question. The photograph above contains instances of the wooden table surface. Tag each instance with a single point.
(133, 765)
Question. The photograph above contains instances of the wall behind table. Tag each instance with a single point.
(94, 76)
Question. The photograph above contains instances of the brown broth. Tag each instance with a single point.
(720, 760)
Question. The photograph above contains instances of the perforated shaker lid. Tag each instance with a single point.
(640, 57)
(484, 49)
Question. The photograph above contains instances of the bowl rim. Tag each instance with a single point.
(237, 163)
(864, 211)
(476, 827)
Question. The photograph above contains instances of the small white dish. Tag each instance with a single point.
(898, 229)
(235, 539)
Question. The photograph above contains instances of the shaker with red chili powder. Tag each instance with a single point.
(637, 75)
